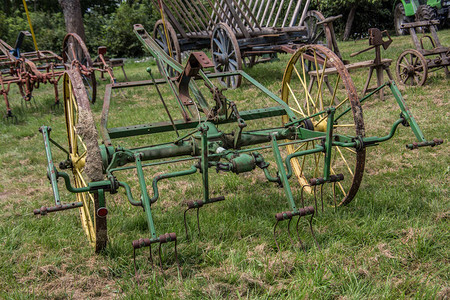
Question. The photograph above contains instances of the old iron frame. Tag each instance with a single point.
(210, 148)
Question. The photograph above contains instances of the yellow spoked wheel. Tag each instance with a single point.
(84, 156)
(308, 90)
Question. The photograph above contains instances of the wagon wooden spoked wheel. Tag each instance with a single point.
(307, 98)
(163, 41)
(75, 54)
(84, 156)
(412, 68)
(317, 34)
(29, 72)
(226, 54)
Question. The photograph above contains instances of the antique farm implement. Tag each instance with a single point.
(413, 65)
(28, 70)
(320, 142)
(237, 32)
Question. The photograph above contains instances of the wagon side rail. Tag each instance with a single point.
(192, 19)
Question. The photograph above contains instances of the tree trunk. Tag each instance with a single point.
(73, 17)
(349, 23)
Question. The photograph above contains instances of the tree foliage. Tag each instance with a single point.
(369, 13)
(110, 22)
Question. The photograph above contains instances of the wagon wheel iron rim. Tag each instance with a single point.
(226, 54)
(160, 37)
(337, 91)
(77, 110)
(411, 68)
(75, 52)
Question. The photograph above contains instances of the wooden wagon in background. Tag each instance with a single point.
(239, 31)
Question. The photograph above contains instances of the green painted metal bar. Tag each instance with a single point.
(266, 91)
(288, 159)
(134, 130)
(406, 113)
(129, 194)
(375, 140)
(51, 170)
(204, 162)
(101, 198)
(282, 174)
(328, 143)
(361, 100)
(144, 196)
(155, 197)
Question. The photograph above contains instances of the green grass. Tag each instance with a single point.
(391, 241)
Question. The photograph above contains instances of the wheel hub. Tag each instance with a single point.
(320, 126)
(77, 162)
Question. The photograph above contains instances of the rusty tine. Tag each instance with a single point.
(298, 236)
(312, 231)
(160, 259)
(136, 275)
(334, 196)
(321, 195)
(198, 222)
(301, 195)
(289, 232)
(315, 197)
(275, 235)
(176, 259)
(150, 256)
(185, 224)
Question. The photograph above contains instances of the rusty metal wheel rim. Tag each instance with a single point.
(305, 101)
(226, 54)
(75, 100)
(411, 68)
(160, 38)
(76, 52)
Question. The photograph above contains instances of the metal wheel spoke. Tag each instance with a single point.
(345, 161)
(349, 150)
(307, 94)
(296, 101)
(299, 147)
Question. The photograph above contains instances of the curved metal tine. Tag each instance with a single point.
(315, 197)
(177, 261)
(275, 235)
(185, 224)
(289, 233)
(321, 195)
(298, 236)
(301, 195)
(198, 222)
(312, 231)
(55, 105)
(334, 196)
(11, 117)
(150, 256)
(136, 275)
(160, 259)
(33, 102)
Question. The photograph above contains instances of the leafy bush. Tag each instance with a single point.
(49, 29)
(119, 36)
(369, 13)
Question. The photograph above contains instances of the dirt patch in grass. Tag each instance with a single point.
(58, 282)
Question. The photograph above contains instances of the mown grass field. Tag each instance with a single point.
(390, 242)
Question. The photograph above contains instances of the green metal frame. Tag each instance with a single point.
(208, 147)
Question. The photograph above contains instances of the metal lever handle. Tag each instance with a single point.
(434, 142)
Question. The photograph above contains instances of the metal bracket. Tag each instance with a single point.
(196, 62)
